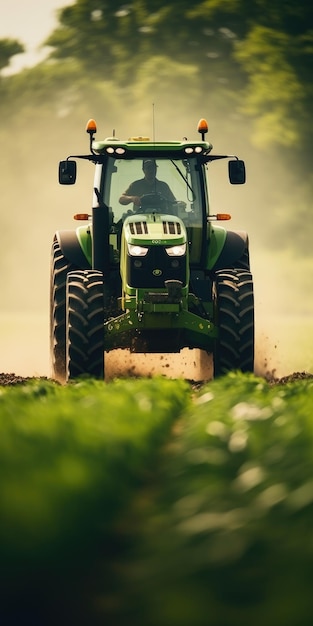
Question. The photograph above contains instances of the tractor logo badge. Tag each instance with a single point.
(157, 272)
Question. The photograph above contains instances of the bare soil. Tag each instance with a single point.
(291, 378)
(14, 379)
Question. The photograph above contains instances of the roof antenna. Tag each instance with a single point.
(153, 123)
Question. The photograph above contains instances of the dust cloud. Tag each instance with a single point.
(193, 365)
(35, 208)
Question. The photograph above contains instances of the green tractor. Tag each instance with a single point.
(150, 271)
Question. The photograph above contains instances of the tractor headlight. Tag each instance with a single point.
(176, 250)
(192, 149)
(135, 250)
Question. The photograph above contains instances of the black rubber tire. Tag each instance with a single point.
(234, 316)
(85, 319)
(59, 267)
(244, 261)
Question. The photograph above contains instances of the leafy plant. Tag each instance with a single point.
(146, 502)
(70, 459)
(228, 539)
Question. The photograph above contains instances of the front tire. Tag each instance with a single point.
(234, 317)
(85, 321)
(60, 267)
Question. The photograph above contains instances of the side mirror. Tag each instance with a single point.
(237, 172)
(67, 172)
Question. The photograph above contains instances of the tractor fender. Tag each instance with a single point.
(232, 247)
(70, 244)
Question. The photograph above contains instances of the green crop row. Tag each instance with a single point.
(230, 535)
(142, 502)
(70, 459)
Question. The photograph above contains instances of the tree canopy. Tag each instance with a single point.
(8, 49)
(258, 53)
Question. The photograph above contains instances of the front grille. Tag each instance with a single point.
(138, 228)
(155, 268)
(171, 228)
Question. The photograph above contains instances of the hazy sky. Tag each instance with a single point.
(29, 21)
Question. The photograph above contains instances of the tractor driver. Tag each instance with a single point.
(146, 185)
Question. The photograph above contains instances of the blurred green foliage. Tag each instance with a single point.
(8, 49)
(146, 502)
(262, 48)
(254, 56)
(62, 447)
(70, 460)
(229, 539)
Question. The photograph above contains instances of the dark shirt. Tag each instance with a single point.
(143, 186)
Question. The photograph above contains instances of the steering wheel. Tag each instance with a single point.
(152, 202)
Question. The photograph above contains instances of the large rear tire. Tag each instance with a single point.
(85, 320)
(234, 317)
(60, 267)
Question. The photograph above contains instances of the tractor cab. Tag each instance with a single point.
(176, 190)
(178, 187)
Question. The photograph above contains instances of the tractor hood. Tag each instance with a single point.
(154, 250)
(154, 230)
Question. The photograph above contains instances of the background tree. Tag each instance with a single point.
(8, 49)
(274, 47)
(113, 40)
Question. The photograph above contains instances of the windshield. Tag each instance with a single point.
(175, 180)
